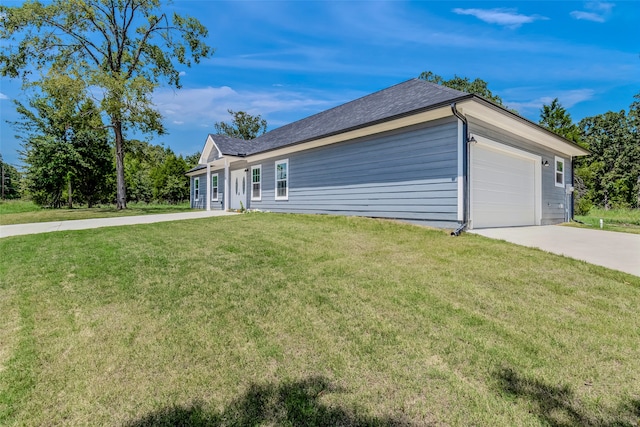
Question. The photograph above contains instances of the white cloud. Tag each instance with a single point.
(603, 7)
(596, 12)
(587, 16)
(182, 73)
(506, 17)
(202, 107)
(3, 96)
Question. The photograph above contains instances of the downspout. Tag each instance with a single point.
(465, 171)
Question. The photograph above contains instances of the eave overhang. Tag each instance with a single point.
(490, 113)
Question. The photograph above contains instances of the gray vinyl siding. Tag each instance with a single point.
(213, 155)
(205, 189)
(553, 198)
(407, 174)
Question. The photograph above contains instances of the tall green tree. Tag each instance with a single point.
(124, 48)
(614, 141)
(65, 144)
(155, 173)
(464, 84)
(192, 159)
(9, 181)
(558, 120)
(243, 125)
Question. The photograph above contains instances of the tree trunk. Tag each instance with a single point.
(121, 192)
(70, 197)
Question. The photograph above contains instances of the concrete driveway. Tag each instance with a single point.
(82, 224)
(618, 251)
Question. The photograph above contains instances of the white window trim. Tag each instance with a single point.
(555, 171)
(217, 187)
(275, 188)
(196, 189)
(259, 198)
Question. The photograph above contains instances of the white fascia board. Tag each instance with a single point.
(414, 119)
(530, 131)
(209, 146)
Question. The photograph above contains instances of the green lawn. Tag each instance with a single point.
(23, 212)
(624, 220)
(267, 319)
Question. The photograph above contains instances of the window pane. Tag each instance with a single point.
(559, 177)
(282, 188)
(559, 166)
(256, 191)
(282, 171)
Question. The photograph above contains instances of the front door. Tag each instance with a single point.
(238, 189)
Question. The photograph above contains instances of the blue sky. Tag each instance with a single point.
(287, 60)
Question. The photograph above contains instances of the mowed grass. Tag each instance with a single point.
(24, 212)
(624, 220)
(266, 319)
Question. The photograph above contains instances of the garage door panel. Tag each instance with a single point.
(503, 192)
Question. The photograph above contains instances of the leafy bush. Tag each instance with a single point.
(583, 206)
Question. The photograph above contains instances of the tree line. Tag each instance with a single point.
(69, 159)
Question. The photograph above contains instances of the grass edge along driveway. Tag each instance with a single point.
(316, 320)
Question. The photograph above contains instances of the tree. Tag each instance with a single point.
(192, 160)
(156, 173)
(65, 143)
(9, 180)
(464, 84)
(125, 48)
(614, 164)
(243, 125)
(556, 118)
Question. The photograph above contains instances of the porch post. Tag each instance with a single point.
(227, 186)
(208, 187)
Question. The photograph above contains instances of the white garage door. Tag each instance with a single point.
(503, 188)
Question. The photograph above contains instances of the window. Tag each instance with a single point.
(282, 180)
(214, 187)
(559, 172)
(196, 189)
(256, 182)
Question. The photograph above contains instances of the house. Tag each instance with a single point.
(415, 151)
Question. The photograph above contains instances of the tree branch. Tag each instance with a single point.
(136, 59)
(83, 42)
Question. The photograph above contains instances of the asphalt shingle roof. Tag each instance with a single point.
(408, 97)
(388, 103)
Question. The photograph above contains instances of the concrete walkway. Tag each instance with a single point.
(82, 224)
(618, 251)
